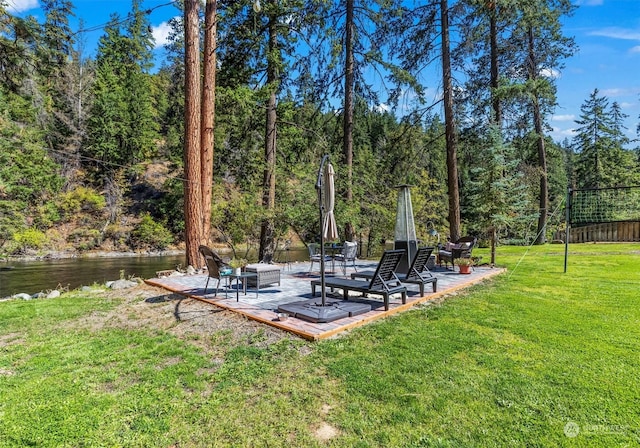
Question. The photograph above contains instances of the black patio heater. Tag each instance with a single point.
(405, 234)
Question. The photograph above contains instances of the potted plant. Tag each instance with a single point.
(237, 264)
(464, 264)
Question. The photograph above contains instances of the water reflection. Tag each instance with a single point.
(31, 277)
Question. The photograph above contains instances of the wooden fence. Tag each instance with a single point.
(628, 231)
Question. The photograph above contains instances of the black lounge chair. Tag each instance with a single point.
(418, 273)
(384, 281)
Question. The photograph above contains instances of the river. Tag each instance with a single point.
(31, 277)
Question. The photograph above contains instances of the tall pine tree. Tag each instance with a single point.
(601, 159)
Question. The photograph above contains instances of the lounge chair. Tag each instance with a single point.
(216, 268)
(384, 281)
(418, 273)
(461, 249)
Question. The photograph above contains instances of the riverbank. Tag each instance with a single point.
(65, 255)
(62, 271)
(31, 276)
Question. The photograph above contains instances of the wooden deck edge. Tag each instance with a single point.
(330, 333)
(273, 323)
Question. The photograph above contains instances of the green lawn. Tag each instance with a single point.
(522, 360)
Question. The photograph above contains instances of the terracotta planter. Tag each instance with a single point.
(465, 269)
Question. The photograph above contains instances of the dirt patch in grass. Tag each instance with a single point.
(325, 432)
(7, 340)
(199, 323)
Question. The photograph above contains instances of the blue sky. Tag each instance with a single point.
(607, 33)
(608, 36)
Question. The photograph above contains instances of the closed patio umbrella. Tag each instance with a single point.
(329, 227)
(324, 200)
(322, 311)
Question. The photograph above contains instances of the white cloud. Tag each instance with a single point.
(550, 73)
(618, 92)
(617, 33)
(560, 134)
(382, 108)
(635, 49)
(161, 34)
(567, 117)
(16, 6)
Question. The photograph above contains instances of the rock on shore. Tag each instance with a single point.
(117, 284)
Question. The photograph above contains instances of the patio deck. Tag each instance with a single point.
(296, 286)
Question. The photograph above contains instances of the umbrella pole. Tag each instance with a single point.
(323, 293)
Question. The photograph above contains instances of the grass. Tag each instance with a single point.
(508, 363)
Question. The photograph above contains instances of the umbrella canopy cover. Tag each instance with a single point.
(329, 226)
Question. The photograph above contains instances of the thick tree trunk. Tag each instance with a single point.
(541, 237)
(450, 128)
(349, 81)
(192, 195)
(208, 116)
(267, 231)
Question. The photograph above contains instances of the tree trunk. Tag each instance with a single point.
(450, 128)
(208, 116)
(267, 231)
(541, 237)
(494, 239)
(192, 196)
(349, 81)
(544, 187)
(493, 31)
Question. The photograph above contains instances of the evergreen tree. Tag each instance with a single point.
(57, 39)
(28, 176)
(261, 52)
(497, 195)
(526, 38)
(618, 129)
(601, 159)
(623, 158)
(172, 73)
(359, 40)
(122, 128)
(591, 139)
(58, 73)
(18, 38)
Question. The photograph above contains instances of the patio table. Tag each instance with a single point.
(242, 277)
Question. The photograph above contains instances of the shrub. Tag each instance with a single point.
(85, 239)
(82, 199)
(30, 239)
(117, 235)
(12, 220)
(170, 205)
(150, 234)
(47, 215)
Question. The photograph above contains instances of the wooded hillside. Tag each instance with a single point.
(92, 148)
